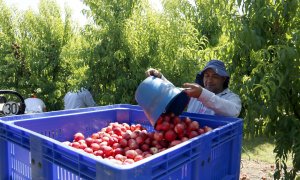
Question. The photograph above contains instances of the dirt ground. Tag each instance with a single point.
(255, 170)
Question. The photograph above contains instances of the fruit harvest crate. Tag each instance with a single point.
(31, 147)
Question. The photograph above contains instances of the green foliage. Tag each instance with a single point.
(129, 38)
(205, 17)
(265, 56)
(32, 56)
(110, 61)
(9, 49)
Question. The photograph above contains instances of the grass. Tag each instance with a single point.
(260, 148)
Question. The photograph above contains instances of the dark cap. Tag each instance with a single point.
(219, 68)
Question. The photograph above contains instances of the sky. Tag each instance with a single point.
(75, 5)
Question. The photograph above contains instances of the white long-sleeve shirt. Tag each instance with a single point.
(34, 105)
(225, 103)
(81, 99)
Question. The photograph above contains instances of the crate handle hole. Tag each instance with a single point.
(40, 165)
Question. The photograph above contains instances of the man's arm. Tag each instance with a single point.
(229, 106)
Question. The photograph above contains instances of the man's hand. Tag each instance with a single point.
(193, 89)
(153, 72)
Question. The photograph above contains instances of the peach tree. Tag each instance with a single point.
(261, 48)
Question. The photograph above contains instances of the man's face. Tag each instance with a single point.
(212, 81)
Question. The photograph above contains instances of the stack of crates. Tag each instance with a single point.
(31, 147)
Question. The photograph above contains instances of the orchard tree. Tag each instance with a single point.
(43, 36)
(164, 40)
(130, 37)
(11, 57)
(109, 65)
(40, 50)
(266, 49)
(260, 45)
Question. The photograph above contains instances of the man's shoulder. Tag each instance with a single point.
(85, 92)
(28, 99)
(33, 100)
(38, 100)
(71, 94)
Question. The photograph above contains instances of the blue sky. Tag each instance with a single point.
(75, 5)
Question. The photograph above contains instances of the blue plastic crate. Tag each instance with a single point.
(33, 148)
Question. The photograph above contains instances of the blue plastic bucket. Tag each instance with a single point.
(156, 97)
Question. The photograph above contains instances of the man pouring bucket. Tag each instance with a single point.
(210, 93)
